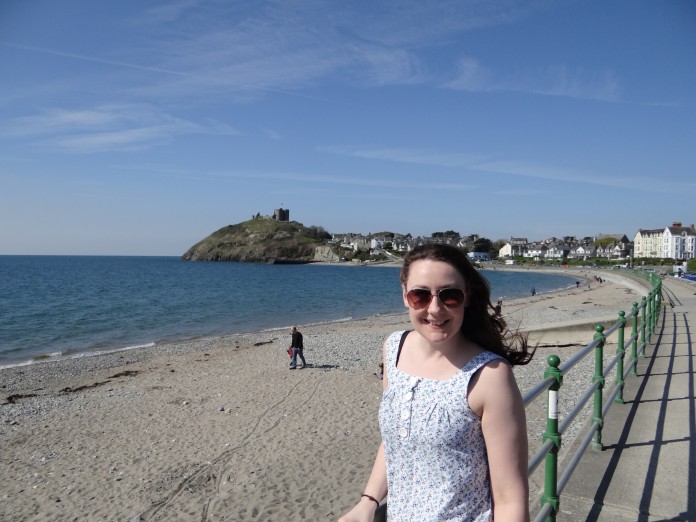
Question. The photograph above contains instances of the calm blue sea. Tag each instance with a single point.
(59, 306)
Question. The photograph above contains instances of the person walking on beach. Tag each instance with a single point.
(452, 421)
(297, 346)
(498, 308)
(533, 291)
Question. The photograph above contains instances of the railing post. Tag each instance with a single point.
(598, 377)
(658, 305)
(659, 291)
(634, 336)
(621, 352)
(655, 307)
(550, 495)
(643, 306)
(651, 296)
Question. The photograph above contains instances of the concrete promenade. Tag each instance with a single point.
(647, 471)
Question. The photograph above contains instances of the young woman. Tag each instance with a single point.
(454, 435)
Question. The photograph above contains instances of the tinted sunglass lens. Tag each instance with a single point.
(451, 297)
(419, 298)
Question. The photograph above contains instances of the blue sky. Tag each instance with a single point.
(138, 128)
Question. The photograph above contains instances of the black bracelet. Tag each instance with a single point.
(373, 499)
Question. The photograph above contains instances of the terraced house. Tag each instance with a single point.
(674, 242)
(620, 247)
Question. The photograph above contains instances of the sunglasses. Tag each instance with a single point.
(420, 298)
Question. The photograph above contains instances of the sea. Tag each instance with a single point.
(71, 306)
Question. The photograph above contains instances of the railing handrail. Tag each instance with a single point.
(642, 319)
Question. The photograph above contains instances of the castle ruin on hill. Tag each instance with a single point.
(279, 214)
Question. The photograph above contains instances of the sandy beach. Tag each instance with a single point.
(220, 429)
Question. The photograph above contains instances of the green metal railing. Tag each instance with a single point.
(643, 320)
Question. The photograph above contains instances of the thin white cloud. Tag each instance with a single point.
(297, 179)
(95, 59)
(471, 76)
(59, 120)
(199, 69)
(167, 12)
(128, 139)
(270, 133)
(107, 127)
(520, 192)
(411, 24)
(293, 44)
(370, 182)
(561, 174)
(579, 83)
(553, 81)
(412, 156)
(472, 165)
(246, 50)
(272, 56)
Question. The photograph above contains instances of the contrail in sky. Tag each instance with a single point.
(97, 60)
(149, 69)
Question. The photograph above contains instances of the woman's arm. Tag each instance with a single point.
(364, 510)
(499, 402)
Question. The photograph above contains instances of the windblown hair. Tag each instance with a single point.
(480, 322)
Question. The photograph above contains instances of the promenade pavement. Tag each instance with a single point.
(647, 470)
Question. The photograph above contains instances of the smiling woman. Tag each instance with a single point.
(451, 413)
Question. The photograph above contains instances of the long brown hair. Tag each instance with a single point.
(480, 324)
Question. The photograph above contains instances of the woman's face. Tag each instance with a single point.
(435, 322)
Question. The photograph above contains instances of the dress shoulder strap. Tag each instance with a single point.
(401, 345)
(479, 361)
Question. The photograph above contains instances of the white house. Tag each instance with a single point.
(558, 250)
(679, 242)
(584, 251)
(536, 251)
(515, 247)
(505, 251)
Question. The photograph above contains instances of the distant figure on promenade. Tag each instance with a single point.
(577, 284)
(533, 291)
(498, 308)
(297, 346)
(454, 435)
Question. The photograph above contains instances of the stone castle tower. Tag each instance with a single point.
(280, 214)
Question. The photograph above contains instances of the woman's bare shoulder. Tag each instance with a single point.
(493, 383)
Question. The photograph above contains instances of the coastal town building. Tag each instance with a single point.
(679, 242)
(674, 242)
(479, 256)
(615, 246)
(515, 247)
(351, 242)
(648, 243)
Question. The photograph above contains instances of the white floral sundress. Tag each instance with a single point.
(435, 453)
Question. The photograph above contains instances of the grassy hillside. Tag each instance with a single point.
(259, 241)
